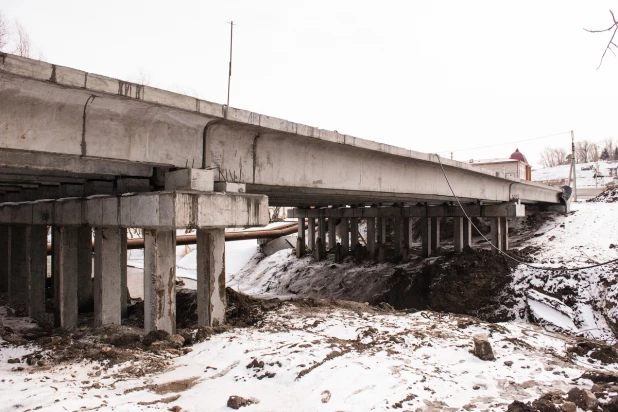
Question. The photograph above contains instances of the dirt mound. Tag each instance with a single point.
(473, 283)
(607, 196)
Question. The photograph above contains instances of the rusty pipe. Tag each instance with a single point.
(138, 243)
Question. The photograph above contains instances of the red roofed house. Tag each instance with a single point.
(514, 166)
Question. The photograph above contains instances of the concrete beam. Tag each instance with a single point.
(502, 210)
(145, 210)
(211, 295)
(160, 280)
(190, 179)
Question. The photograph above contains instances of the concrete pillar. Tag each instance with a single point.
(398, 234)
(496, 233)
(381, 230)
(345, 235)
(332, 235)
(458, 235)
(322, 233)
(426, 237)
(65, 276)
(18, 269)
(36, 245)
(504, 231)
(467, 233)
(85, 297)
(311, 233)
(107, 276)
(5, 233)
(353, 233)
(300, 241)
(160, 280)
(371, 236)
(211, 295)
(435, 233)
(124, 291)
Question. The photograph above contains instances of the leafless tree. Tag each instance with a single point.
(143, 77)
(613, 28)
(4, 32)
(594, 152)
(609, 145)
(553, 156)
(582, 151)
(23, 46)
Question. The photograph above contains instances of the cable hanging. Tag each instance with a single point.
(506, 254)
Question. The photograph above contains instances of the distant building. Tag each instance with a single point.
(515, 166)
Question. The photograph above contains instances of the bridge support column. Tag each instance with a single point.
(36, 270)
(407, 238)
(311, 233)
(371, 237)
(496, 233)
(344, 234)
(211, 295)
(467, 233)
(108, 268)
(5, 260)
(504, 230)
(435, 233)
(353, 233)
(381, 239)
(398, 233)
(18, 270)
(85, 294)
(65, 241)
(160, 280)
(458, 234)
(426, 237)
(332, 235)
(322, 234)
(300, 241)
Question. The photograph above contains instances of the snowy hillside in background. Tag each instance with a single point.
(553, 175)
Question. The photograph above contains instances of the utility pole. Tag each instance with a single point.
(573, 166)
(229, 78)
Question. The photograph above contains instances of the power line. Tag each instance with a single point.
(502, 252)
(503, 144)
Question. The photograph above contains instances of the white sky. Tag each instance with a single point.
(429, 76)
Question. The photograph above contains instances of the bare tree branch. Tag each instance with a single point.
(22, 48)
(4, 32)
(611, 40)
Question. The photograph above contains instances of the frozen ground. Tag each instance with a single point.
(584, 177)
(299, 358)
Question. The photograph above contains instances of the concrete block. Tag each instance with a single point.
(69, 77)
(231, 210)
(211, 295)
(65, 241)
(132, 186)
(85, 294)
(160, 280)
(4, 258)
(230, 187)
(36, 271)
(435, 233)
(201, 180)
(18, 268)
(107, 276)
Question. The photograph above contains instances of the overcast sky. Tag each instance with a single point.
(432, 76)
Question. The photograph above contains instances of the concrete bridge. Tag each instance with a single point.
(110, 155)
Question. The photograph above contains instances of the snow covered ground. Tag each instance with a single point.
(584, 177)
(319, 358)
